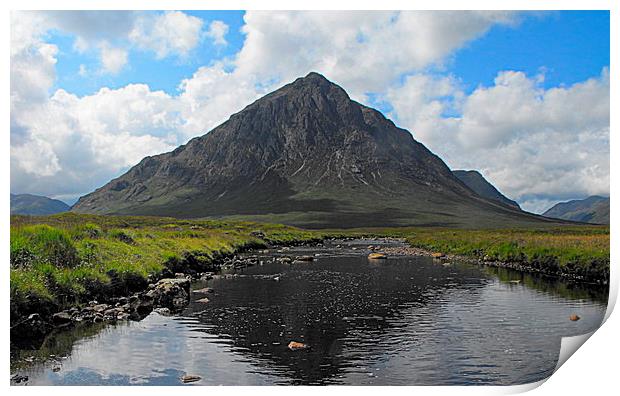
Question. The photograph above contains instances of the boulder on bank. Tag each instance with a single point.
(33, 327)
(170, 293)
(438, 255)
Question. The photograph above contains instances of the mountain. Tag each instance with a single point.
(307, 155)
(594, 209)
(36, 205)
(474, 180)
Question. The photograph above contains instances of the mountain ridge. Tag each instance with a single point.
(593, 209)
(474, 180)
(36, 205)
(304, 154)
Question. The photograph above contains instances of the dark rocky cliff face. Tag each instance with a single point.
(304, 154)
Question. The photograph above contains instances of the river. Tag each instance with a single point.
(401, 321)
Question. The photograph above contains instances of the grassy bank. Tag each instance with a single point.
(68, 259)
(577, 251)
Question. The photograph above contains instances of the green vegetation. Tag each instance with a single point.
(581, 251)
(68, 259)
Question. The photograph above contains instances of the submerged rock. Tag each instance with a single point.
(294, 345)
(304, 258)
(203, 291)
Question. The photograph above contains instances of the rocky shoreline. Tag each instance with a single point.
(167, 293)
(170, 292)
(487, 261)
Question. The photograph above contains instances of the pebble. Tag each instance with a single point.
(190, 378)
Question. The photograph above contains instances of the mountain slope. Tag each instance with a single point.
(594, 209)
(474, 180)
(28, 204)
(305, 154)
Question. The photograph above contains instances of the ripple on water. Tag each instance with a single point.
(402, 321)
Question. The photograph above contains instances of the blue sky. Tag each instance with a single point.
(501, 92)
(569, 46)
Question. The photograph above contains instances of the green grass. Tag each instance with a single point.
(68, 259)
(576, 250)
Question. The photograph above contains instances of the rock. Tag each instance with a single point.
(33, 327)
(203, 300)
(123, 316)
(437, 255)
(179, 275)
(163, 311)
(285, 260)
(140, 307)
(100, 307)
(377, 256)
(18, 379)
(258, 234)
(206, 276)
(304, 258)
(56, 369)
(574, 317)
(203, 291)
(61, 318)
(295, 346)
(190, 378)
(170, 293)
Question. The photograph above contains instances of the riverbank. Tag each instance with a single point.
(78, 262)
(67, 268)
(579, 253)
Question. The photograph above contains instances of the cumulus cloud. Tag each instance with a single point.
(537, 145)
(217, 32)
(172, 32)
(75, 141)
(112, 59)
(361, 50)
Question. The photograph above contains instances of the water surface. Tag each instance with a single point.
(401, 321)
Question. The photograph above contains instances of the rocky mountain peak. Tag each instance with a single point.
(304, 154)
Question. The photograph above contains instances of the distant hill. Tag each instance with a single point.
(28, 204)
(474, 180)
(306, 155)
(594, 209)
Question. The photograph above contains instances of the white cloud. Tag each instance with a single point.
(514, 131)
(172, 32)
(112, 59)
(537, 146)
(88, 139)
(217, 32)
(364, 51)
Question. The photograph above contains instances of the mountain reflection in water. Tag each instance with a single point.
(401, 321)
